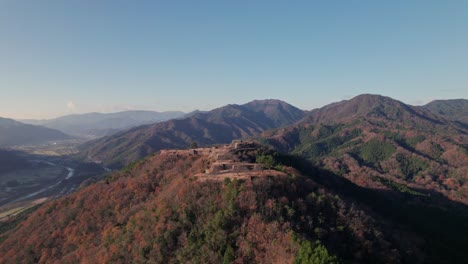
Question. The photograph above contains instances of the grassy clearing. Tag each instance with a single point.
(9, 212)
(12, 212)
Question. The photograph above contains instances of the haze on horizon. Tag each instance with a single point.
(59, 57)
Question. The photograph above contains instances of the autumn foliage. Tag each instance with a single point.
(155, 211)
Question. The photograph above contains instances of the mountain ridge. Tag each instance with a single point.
(379, 142)
(452, 109)
(16, 133)
(101, 124)
(368, 105)
(220, 125)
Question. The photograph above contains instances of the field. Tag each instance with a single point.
(59, 148)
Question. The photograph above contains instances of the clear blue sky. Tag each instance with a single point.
(60, 57)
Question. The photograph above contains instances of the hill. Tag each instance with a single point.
(220, 125)
(455, 110)
(100, 124)
(378, 142)
(374, 107)
(171, 208)
(16, 133)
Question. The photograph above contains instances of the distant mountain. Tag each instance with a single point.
(455, 110)
(16, 133)
(220, 125)
(379, 142)
(99, 124)
(373, 107)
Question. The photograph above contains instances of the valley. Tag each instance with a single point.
(41, 173)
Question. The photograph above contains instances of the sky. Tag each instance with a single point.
(62, 57)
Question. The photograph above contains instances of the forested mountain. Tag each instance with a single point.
(159, 211)
(378, 142)
(100, 124)
(17, 133)
(455, 109)
(367, 180)
(220, 125)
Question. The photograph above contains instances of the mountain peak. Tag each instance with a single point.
(368, 106)
(267, 102)
(367, 102)
(373, 98)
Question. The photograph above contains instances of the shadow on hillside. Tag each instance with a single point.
(442, 223)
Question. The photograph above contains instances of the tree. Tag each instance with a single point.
(314, 253)
(229, 255)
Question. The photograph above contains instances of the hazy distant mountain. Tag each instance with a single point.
(379, 142)
(455, 110)
(16, 133)
(99, 124)
(220, 125)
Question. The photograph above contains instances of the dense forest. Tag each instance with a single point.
(380, 143)
(156, 211)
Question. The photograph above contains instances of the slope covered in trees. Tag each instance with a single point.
(381, 143)
(156, 211)
(455, 109)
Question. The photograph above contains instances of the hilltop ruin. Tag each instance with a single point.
(233, 161)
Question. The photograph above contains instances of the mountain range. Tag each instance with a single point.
(372, 140)
(365, 180)
(218, 126)
(100, 124)
(379, 142)
(16, 133)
